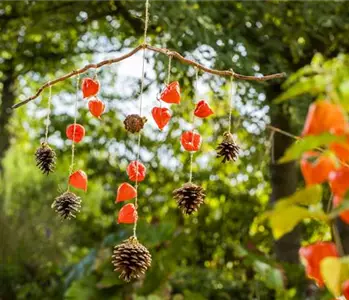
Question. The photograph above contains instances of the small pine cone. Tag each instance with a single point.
(67, 205)
(189, 197)
(134, 123)
(131, 258)
(45, 158)
(228, 149)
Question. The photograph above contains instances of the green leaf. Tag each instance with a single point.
(307, 85)
(283, 218)
(272, 276)
(307, 196)
(335, 271)
(83, 289)
(331, 273)
(296, 150)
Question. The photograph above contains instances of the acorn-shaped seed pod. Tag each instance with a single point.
(228, 149)
(189, 197)
(67, 205)
(45, 158)
(134, 123)
(131, 258)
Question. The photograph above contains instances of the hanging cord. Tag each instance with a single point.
(146, 21)
(232, 94)
(193, 124)
(71, 168)
(48, 113)
(169, 69)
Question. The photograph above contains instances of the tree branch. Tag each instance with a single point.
(155, 49)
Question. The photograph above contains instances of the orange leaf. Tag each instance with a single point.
(324, 116)
(316, 167)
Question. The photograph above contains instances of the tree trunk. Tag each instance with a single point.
(283, 177)
(7, 100)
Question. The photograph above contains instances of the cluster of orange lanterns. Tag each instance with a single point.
(319, 167)
(136, 171)
(76, 132)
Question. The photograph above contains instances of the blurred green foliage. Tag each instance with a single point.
(220, 253)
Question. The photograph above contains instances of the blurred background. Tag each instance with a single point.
(222, 252)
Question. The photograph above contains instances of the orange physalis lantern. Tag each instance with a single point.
(96, 107)
(191, 141)
(127, 214)
(136, 171)
(78, 180)
(339, 181)
(324, 116)
(316, 167)
(312, 255)
(202, 109)
(172, 93)
(161, 116)
(78, 134)
(125, 192)
(337, 200)
(89, 87)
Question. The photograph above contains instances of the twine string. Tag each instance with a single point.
(146, 22)
(193, 125)
(169, 69)
(231, 96)
(71, 167)
(48, 113)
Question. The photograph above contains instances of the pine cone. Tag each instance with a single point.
(131, 258)
(67, 205)
(45, 158)
(228, 149)
(189, 197)
(134, 123)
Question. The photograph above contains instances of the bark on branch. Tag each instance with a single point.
(165, 51)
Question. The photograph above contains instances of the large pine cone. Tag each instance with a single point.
(134, 123)
(45, 158)
(228, 149)
(189, 197)
(131, 258)
(67, 205)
